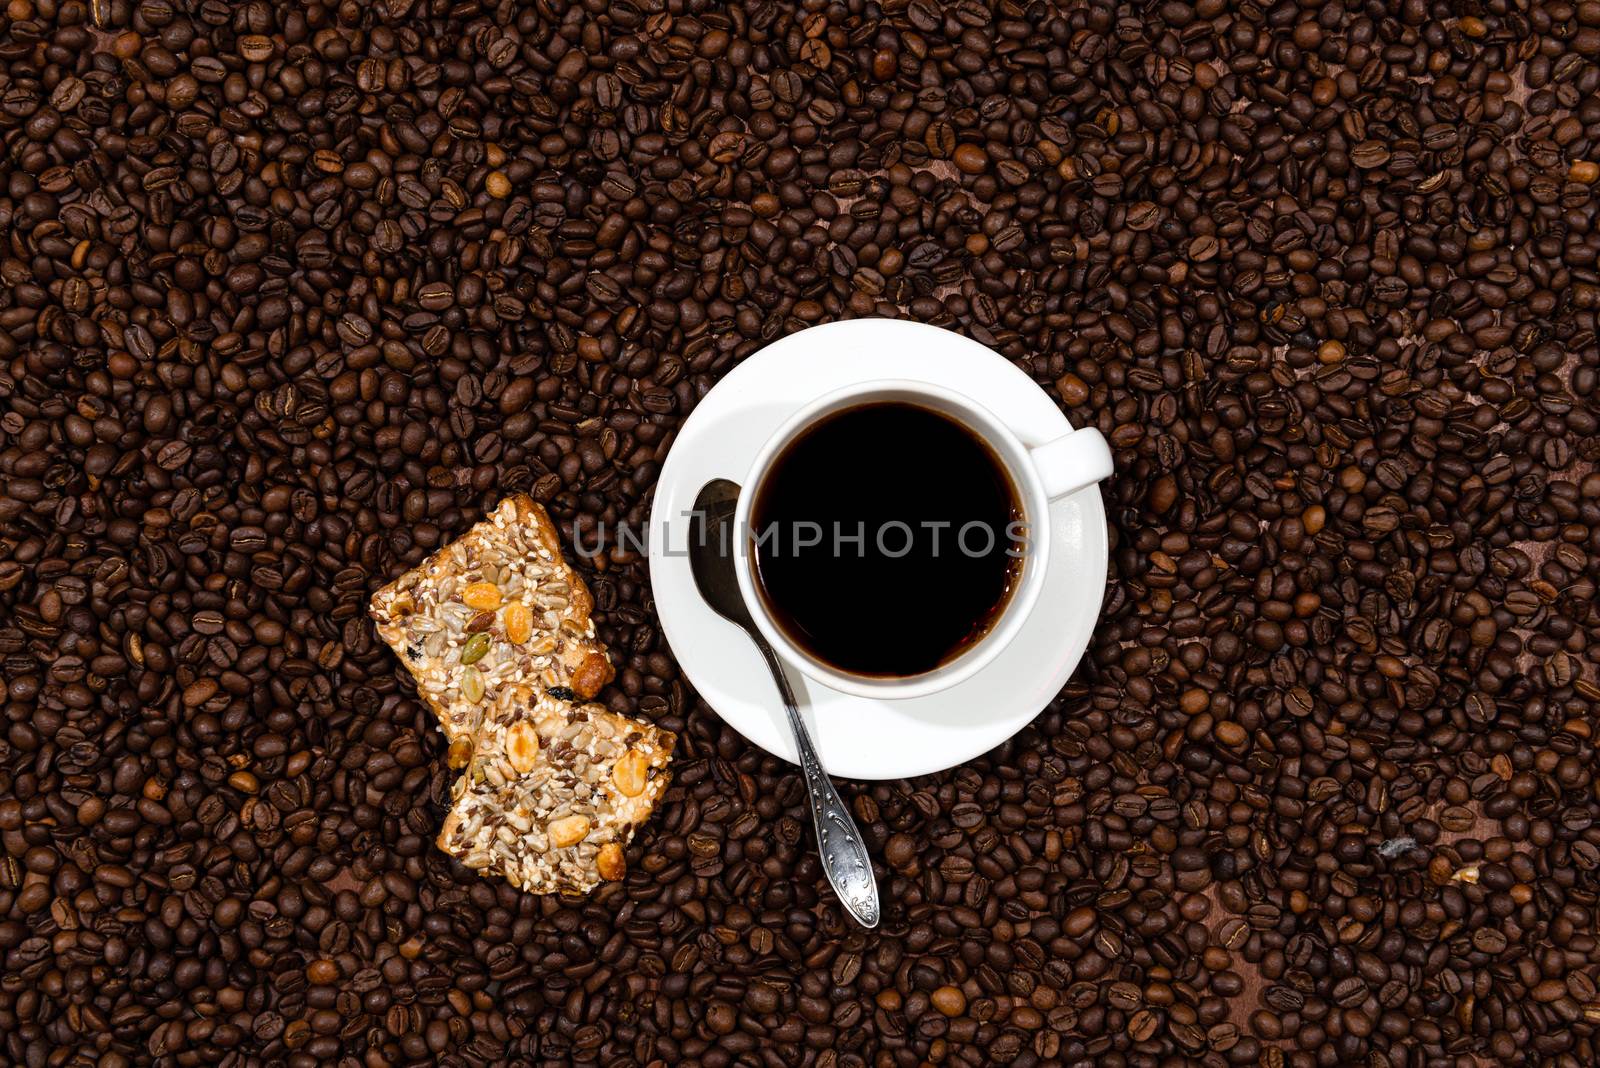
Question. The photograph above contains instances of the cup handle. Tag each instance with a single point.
(1071, 462)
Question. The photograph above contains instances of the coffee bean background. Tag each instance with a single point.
(292, 292)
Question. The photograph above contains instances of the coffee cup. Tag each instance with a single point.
(1035, 474)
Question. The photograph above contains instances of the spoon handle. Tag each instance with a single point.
(844, 854)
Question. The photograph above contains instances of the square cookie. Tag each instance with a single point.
(495, 608)
(554, 791)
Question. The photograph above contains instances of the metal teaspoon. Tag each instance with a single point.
(844, 854)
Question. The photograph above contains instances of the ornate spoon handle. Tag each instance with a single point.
(844, 854)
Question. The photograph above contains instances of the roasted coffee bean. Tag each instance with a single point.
(292, 295)
(1124, 996)
(1143, 1025)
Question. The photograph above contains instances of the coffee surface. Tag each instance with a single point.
(884, 539)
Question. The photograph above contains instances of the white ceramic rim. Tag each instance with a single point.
(1024, 478)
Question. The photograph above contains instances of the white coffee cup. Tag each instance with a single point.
(1039, 473)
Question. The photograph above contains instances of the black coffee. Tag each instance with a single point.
(888, 539)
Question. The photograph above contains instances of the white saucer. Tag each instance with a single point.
(863, 738)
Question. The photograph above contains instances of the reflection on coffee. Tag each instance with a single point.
(888, 539)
